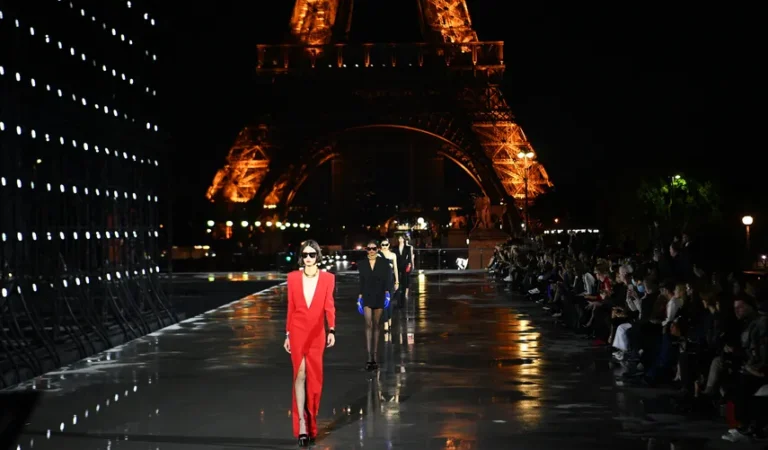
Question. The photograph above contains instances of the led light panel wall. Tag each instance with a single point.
(81, 181)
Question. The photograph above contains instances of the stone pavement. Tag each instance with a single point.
(469, 366)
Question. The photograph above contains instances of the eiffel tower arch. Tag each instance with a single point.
(318, 86)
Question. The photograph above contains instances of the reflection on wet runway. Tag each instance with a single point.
(465, 367)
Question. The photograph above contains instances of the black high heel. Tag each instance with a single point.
(303, 440)
(369, 366)
(311, 441)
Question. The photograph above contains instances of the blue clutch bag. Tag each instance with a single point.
(360, 305)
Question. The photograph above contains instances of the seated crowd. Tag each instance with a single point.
(664, 319)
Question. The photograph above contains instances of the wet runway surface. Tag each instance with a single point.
(468, 367)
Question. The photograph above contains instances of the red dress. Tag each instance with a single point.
(306, 332)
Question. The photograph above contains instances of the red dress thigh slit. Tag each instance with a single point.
(306, 332)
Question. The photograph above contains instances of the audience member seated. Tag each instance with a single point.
(665, 320)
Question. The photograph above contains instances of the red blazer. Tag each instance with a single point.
(303, 319)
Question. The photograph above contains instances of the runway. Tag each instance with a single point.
(469, 366)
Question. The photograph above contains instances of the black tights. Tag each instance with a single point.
(372, 318)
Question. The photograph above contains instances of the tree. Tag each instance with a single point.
(678, 200)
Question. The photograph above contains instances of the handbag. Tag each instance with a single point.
(408, 268)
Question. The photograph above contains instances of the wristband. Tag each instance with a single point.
(332, 331)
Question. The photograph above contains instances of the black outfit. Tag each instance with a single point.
(391, 266)
(375, 282)
(403, 259)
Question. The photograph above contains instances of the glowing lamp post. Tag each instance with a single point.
(526, 157)
(747, 221)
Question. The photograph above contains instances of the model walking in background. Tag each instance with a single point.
(405, 261)
(375, 285)
(391, 257)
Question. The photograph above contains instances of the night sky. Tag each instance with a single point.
(607, 94)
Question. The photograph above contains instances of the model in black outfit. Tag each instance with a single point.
(375, 282)
(405, 258)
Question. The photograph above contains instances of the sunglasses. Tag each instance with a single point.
(312, 255)
(371, 249)
(385, 244)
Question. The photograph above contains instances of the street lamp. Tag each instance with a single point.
(526, 157)
(747, 221)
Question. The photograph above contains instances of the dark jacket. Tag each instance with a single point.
(404, 258)
(374, 283)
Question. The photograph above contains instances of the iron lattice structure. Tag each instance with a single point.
(79, 194)
(319, 86)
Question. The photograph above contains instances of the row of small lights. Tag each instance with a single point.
(269, 224)
(63, 189)
(146, 15)
(72, 52)
(82, 101)
(33, 134)
(63, 236)
(570, 231)
(108, 401)
(108, 277)
(114, 32)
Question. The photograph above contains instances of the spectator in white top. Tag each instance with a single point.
(675, 303)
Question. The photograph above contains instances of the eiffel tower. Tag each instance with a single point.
(319, 86)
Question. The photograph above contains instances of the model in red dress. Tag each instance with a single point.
(310, 305)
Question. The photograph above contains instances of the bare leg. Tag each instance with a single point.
(368, 329)
(299, 387)
(376, 320)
